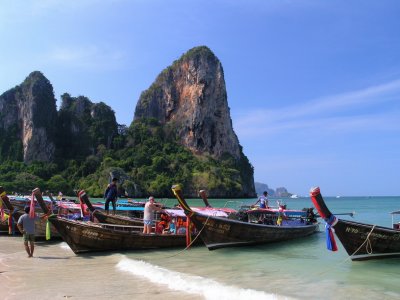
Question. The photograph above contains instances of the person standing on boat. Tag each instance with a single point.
(148, 218)
(263, 200)
(60, 196)
(111, 195)
(26, 226)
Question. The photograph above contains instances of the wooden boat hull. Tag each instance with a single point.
(40, 227)
(117, 220)
(361, 241)
(222, 232)
(364, 241)
(88, 237)
(110, 218)
(3, 226)
(40, 224)
(218, 232)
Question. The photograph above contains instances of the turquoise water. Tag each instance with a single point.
(301, 269)
(298, 269)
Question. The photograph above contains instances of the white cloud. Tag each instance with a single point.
(329, 114)
(86, 57)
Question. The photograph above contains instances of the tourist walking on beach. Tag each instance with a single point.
(26, 226)
(110, 195)
(148, 216)
(263, 200)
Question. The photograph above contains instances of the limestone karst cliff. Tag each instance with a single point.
(32, 129)
(82, 126)
(182, 133)
(191, 96)
(27, 118)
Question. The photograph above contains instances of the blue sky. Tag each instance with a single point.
(313, 86)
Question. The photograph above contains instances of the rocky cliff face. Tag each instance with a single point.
(31, 129)
(29, 112)
(191, 96)
(282, 192)
(82, 126)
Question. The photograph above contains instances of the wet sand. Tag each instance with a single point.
(55, 272)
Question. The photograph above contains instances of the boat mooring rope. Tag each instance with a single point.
(368, 247)
(191, 243)
(188, 246)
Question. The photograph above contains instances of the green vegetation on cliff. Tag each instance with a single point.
(10, 144)
(146, 156)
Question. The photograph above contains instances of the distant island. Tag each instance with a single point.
(181, 133)
(279, 192)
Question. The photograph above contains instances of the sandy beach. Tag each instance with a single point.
(299, 269)
(55, 272)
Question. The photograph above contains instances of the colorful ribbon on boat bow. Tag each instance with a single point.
(32, 207)
(2, 217)
(48, 230)
(330, 238)
(10, 224)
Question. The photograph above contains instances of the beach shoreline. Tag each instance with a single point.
(55, 272)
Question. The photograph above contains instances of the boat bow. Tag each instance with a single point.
(177, 190)
(5, 199)
(325, 213)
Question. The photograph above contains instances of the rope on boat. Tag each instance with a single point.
(191, 243)
(368, 247)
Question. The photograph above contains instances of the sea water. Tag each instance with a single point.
(302, 269)
(297, 269)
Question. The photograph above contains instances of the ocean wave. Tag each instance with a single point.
(208, 288)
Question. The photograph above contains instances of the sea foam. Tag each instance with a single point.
(208, 288)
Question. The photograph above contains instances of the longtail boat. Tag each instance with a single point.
(4, 213)
(40, 224)
(361, 241)
(103, 217)
(94, 237)
(217, 232)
